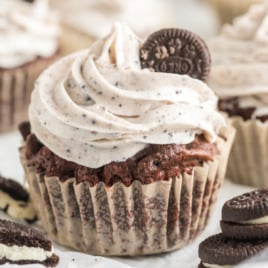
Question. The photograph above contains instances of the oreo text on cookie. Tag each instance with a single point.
(176, 51)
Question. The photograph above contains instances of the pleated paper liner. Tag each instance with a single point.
(248, 162)
(135, 220)
(16, 86)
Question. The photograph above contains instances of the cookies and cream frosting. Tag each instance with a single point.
(240, 60)
(17, 209)
(98, 105)
(27, 31)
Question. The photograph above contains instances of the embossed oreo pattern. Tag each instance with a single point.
(219, 250)
(176, 51)
(245, 207)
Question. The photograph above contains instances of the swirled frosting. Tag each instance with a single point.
(240, 60)
(26, 32)
(99, 106)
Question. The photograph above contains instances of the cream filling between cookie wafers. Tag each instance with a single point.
(261, 220)
(17, 253)
(215, 265)
(17, 209)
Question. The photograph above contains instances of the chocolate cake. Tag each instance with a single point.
(154, 163)
(232, 107)
(21, 244)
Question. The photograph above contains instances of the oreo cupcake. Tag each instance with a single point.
(239, 78)
(29, 43)
(122, 160)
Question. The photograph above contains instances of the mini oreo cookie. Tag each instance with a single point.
(246, 216)
(15, 200)
(176, 51)
(219, 250)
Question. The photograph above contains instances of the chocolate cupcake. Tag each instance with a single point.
(29, 35)
(122, 160)
(239, 78)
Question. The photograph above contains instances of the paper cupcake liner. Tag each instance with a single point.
(248, 162)
(135, 220)
(16, 86)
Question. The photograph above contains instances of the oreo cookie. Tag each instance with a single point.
(176, 51)
(21, 244)
(218, 250)
(15, 200)
(246, 216)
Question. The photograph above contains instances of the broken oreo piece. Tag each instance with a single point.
(176, 51)
(21, 244)
(218, 250)
(15, 200)
(246, 216)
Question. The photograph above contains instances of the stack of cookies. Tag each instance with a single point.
(244, 227)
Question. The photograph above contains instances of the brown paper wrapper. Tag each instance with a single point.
(135, 220)
(227, 10)
(248, 162)
(16, 86)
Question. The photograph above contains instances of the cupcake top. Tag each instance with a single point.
(240, 60)
(27, 31)
(99, 105)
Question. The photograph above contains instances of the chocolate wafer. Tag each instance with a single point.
(176, 51)
(246, 216)
(218, 250)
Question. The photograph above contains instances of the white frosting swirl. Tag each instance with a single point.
(26, 32)
(99, 106)
(240, 60)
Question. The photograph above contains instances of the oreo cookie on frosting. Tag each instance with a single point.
(176, 51)
(15, 200)
(220, 251)
(20, 244)
(246, 216)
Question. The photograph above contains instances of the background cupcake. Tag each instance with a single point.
(123, 160)
(29, 43)
(239, 77)
(229, 9)
(88, 20)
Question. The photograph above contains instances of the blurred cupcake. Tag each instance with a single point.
(239, 77)
(91, 19)
(227, 10)
(122, 160)
(29, 43)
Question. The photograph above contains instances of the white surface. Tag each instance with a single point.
(187, 257)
